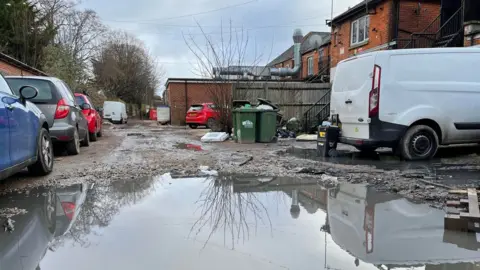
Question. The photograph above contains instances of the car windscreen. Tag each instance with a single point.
(46, 89)
(195, 108)
(80, 100)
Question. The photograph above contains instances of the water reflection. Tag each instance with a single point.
(95, 207)
(389, 231)
(26, 244)
(264, 223)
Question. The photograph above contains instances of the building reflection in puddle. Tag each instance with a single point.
(382, 229)
(348, 225)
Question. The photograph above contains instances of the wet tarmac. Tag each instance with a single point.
(228, 222)
(442, 169)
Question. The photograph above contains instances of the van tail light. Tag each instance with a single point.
(374, 96)
(62, 109)
(68, 209)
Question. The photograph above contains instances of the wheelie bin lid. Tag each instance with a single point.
(242, 109)
(267, 102)
(240, 103)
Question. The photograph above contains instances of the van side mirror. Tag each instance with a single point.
(86, 106)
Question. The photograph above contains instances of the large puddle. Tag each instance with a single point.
(228, 222)
(450, 166)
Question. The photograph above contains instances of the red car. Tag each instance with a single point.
(94, 118)
(201, 115)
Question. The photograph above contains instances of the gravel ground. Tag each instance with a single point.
(144, 148)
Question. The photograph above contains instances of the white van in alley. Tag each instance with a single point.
(115, 112)
(410, 100)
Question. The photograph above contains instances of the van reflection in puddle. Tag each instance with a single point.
(385, 229)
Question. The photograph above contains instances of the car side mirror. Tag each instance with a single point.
(86, 106)
(28, 92)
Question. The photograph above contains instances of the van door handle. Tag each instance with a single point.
(348, 101)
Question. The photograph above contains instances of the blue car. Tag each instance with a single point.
(24, 138)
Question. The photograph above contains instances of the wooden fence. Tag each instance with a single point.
(294, 98)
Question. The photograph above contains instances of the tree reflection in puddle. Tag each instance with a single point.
(222, 209)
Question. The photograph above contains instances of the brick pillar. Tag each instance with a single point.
(472, 33)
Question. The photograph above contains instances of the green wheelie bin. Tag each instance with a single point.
(266, 126)
(245, 124)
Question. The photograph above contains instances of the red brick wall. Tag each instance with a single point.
(468, 41)
(380, 21)
(7, 69)
(412, 19)
(305, 57)
(288, 63)
(197, 93)
(315, 54)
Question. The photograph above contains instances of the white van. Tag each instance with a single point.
(410, 100)
(163, 114)
(115, 112)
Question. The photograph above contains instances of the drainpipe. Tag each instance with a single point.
(186, 98)
(283, 72)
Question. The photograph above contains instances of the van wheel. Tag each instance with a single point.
(419, 142)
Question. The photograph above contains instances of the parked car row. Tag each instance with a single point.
(39, 115)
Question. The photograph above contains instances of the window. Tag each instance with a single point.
(4, 86)
(45, 89)
(360, 30)
(310, 66)
(80, 100)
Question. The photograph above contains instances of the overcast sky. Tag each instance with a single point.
(160, 24)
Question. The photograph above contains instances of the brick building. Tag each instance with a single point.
(11, 66)
(472, 23)
(314, 52)
(182, 93)
(379, 24)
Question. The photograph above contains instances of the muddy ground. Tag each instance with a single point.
(144, 148)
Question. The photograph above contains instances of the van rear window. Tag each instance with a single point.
(46, 89)
(353, 74)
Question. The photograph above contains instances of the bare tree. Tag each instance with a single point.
(229, 51)
(125, 69)
(82, 33)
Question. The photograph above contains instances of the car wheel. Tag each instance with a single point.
(211, 123)
(93, 136)
(49, 210)
(193, 126)
(73, 147)
(419, 143)
(99, 134)
(86, 139)
(44, 163)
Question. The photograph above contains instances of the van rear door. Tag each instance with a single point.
(350, 95)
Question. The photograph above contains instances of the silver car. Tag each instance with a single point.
(67, 125)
